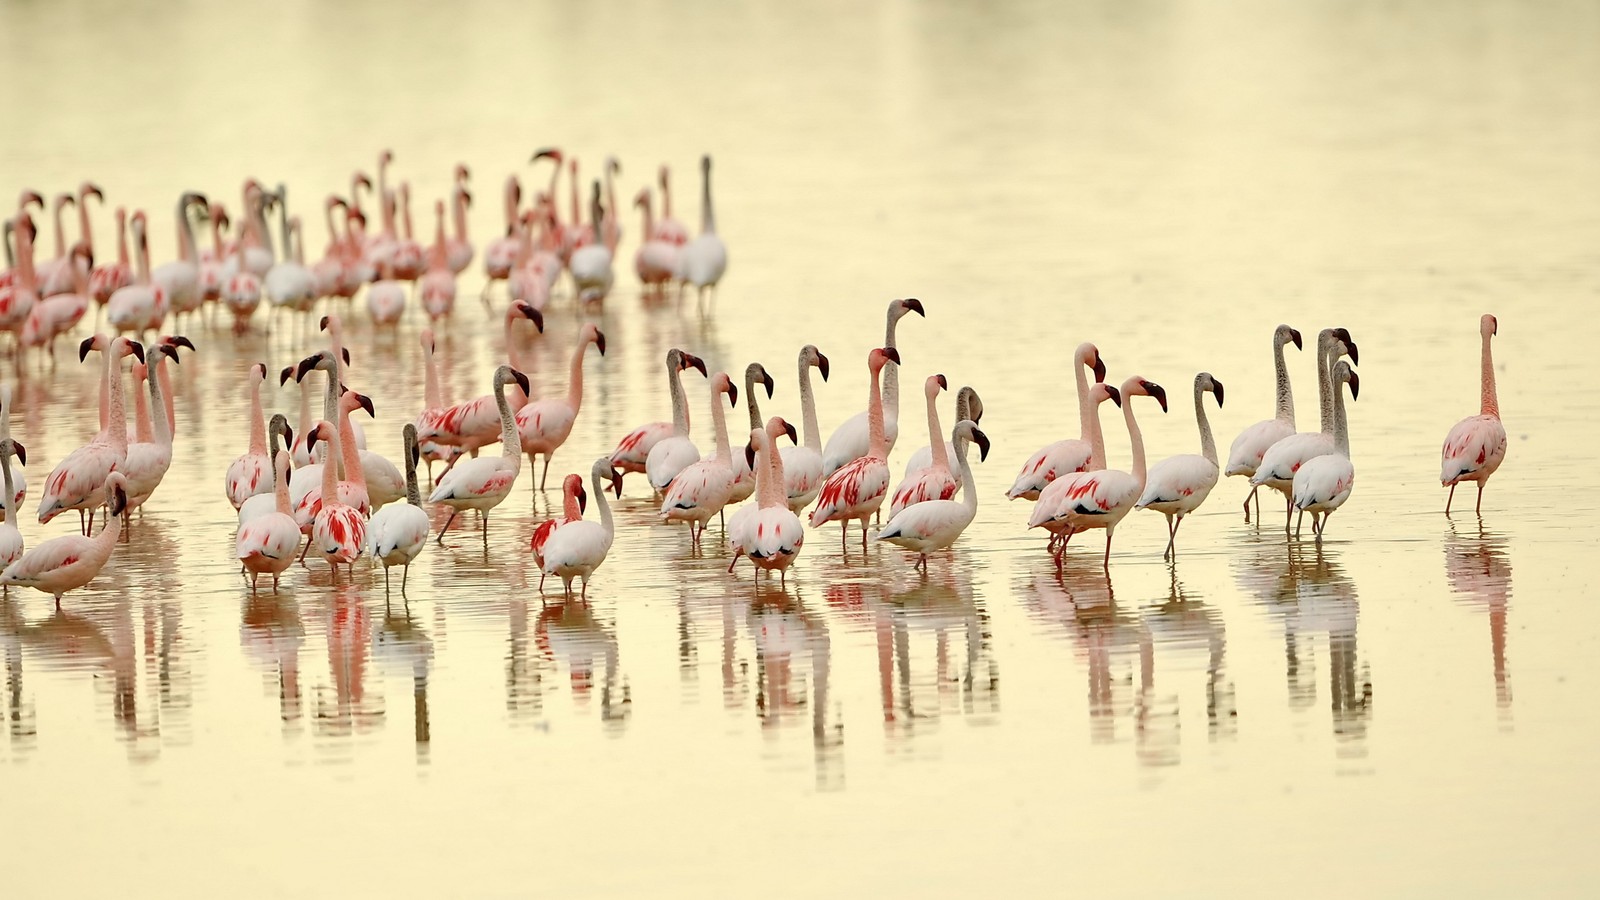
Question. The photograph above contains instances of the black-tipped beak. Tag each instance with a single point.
(532, 315)
(288, 434)
(20, 452)
(1116, 395)
(733, 394)
(119, 501)
(345, 352)
(767, 382)
(794, 436)
(1355, 386)
(696, 362)
(1355, 356)
(583, 500)
(1294, 335)
(892, 354)
(305, 366)
(822, 366)
(84, 347)
(545, 153)
(982, 440)
(616, 483)
(750, 456)
(600, 341)
(1099, 369)
(1158, 392)
(944, 383)
(137, 349)
(1216, 388)
(1494, 325)
(366, 404)
(323, 325)
(522, 382)
(170, 351)
(416, 455)
(915, 306)
(312, 437)
(179, 340)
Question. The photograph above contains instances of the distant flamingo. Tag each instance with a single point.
(138, 307)
(610, 226)
(79, 480)
(26, 199)
(577, 549)
(267, 543)
(71, 561)
(18, 491)
(1070, 455)
(573, 503)
(1323, 484)
(398, 532)
(591, 265)
(667, 228)
(1283, 458)
(802, 465)
(1252, 443)
(1476, 446)
(438, 287)
(856, 490)
(147, 461)
(544, 425)
(482, 483)
(17, 298)
(458, 250)
(656, 259)
(50, 274)
(409, 259)
(500, 254)
(935, 524)
(60, 278)
(433, 405)
(179, 281)
(471, 425)
(1102, 499)
(59, 313)
(211, 261)
(767, 531)
(108, 277)
(702, 488)
(704, 260)
(936, 481)
(386, 297)
(289, 284)
(1177, 485)
(666, 453)
(849, 440)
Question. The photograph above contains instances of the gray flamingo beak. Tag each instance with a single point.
(1294, 334)
(822, 366)
(583, 500)
(1216, 388)
(982, 440)
(750, 456)
(892, 354)
(522, 382)
(794, 436)
(733, 394)
(915, 306)
(766, 381)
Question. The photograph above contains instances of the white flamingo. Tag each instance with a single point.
(665, 449)
(1177, 485)
(482, 483)
(1324, 483)
(702, 488)
(591, 264)
(147, 461)
(11, 543)
(767, 531)
(1283, 458)
(1476, 446)
(71, 561)
(397, 533)
(577, 549)
(573, 503)
(935, 524)
(802, 464)
(1070, 455)
(849, 440)
(266, 544)
(247, 475)
(704, 260)
(1253, 442)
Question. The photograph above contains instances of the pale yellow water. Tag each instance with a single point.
(1405, 711)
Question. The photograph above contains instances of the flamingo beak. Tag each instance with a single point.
(600, 341)
(137, 349)
(733, 394)
(697, 363)
(1099, 368)
(546, 153)
(1355, 357)
(416, 452)
(285, 375)
(169, 350)
(982, 440)
(1494, 325)
(312, 437)
(532, 315)
(181, 341)
(522, 382)
(323, 325)
(822, 366)
(750, 456)
(305, 367)
(366, 404)
(288, 434)
(1355, 386)
(345, 352)
(794, 436)
(1116, 396)
(944, 383)
(466, 197)
(119, 500)
(583, 500)
(616, 483)
(1156, 391)
(1216, 388)
(84, 348)
(93, 190)
(20, 452)
(915, 306)
(767, 382)
(892, 354)
(1294, 335)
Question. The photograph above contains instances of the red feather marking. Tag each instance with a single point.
(1483, 454)
(68, 561)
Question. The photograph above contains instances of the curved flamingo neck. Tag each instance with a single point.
(11, 491)
(1491, 401)
(413, 493)
(753, 405)
(258, 422)
(891, 370)
(105, 393)
(575, 385)
(142, 430)
(280, 484)
(186, 246)
(1280, 371)
(305, 409)
(161, 401)
(771, 492)
(459, 214)
(606, 523)
(1095, 435)
(877, 444)
(666, 194)
(936, 446)
(969, 485)
(510, 441)
(122, 238)
(808, 408)
(330, 474)
(1341, 426)
(1208, 445)
(85, 231)
(1136, 438)
(348, 451)
(513, 357)
(719, 424)
(649, 220)
(680, 407)
(1327, 346)
(106, 540)
(708, 216)
(117, 424)
(570, 510)
(1088, 415)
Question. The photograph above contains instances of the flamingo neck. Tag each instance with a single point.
(510, 441)
(1327, 347)
(117, 424)
(405, 210)
(1285, 404)
(605, 508)
(5, 501)
(708, 216)
(649, 222)
(771, 492)
(327, 217)
(513, 357)
(305, 410)
(25, 273)
(936, 446)
(569, 507)
(280, 485)
(143, 257)
(969, 486)
(1491, 401)
(61, 232)
(186, 247)
(336, 345)
(680, 407)
(1341, 427)
(299, 243)
(1208, 445)
(158, 402)
(413, 493)
(258, 424)
(84, 229)
(719, 424)
(1137, 439)
(575, 384)
(1095, 435)
(808, 409)
(891, 370)
(666, 196)
(877, 444)
(458, 212)
(105, 393)
(283, 226)
(349, 453)
(330, 467)
(750, 401)
(122, 238)
(142, 430)
(106, 540)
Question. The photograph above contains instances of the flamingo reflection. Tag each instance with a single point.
(569, 634)
(785, 632)
(272, 634)
(1478, 569)
(351, 709)
(401, 643)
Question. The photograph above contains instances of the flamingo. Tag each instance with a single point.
(767, 531)
(705, 259)
(702, 488)
(432, 451)
(58, 313)
(656, 259)
(382, 479)
(610, 227)
(329, 270)
(500, 254)
(408, 259)
(469, 425)
(935, 481)
(1073, 454)
(28, 198)
(1279, 463)
(935, 524)
(802, 464)
(79, 480)
(1177, 485)
(71, 561)
(211, 261)
(18, 480)
(849, 440)
(378, 248)
(458, 250)
(257, 505)
(667, 228)
(108, 277)
(744, 479)
(254, 251)
(51, 275)
(397, 533)
(17, 298)
(482, 483)
(856, 490)
(289, 284)
(386, 299)
(147, 461)
(968, 406)
(241, 290)
(1323, 484)
(577, 234)
(1100, 499)
(438, 287)
(573, 503)
(179, 281)
(544, 425)
(266, 544)
(577, 549)
(247, 475)
(339, 530)
(1252, 443)
(1476, 446)
(11, 543)
(667, 453)
(591, 264)
(530, 279)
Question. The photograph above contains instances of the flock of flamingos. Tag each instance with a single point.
(315, 488)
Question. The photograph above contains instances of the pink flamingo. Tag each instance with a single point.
(544, 425)
(856, 490)
(968, 406)
(667, 228)
(1070, 455)
(434, 405)
(1102, 499)
(438, 286)
(247, 475)
(329, 270)
(458, 251)
(57, 314)
(1476, 446)
(633, 451)
(702, 488)
(339, 530)
(108, 277)
(744, 478)
(483, 483)
(28, 198)
(500, 254)
(528, 282)
(140, 306)
(1253, 442)
(149, 459)
(211, 262)
(279, 434)
(61, 279)
(849, 440)
(1051, 498)
(409, 260)
(578, 548)
(71, 561)
(656, 259)
(1279, 463)
(936, 481)
(52, 275)
(573, 503)
(79, 480)
(266, 544)
(1323, 484)
(470, 425)
(802, 464)
(386, 299)
(578, 234)
(1177, 485)
(935, 524)
(17, 299)
(767, 531)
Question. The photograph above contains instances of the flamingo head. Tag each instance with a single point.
(1102, 392)
(778, 425)
(322, 431)
(1343, 335)
(572, 486)
(90, 189)
(910, 305)
(350, 401)
(721, 383)
(814, 357)
(527, 311)
(755, 374)
(462, 173)
(286, 374)
(593, 333)
(1205, 381)
(1343, 374)
(1284, 335)
(65, 200)
(29, 197)
(1138, 385)
(1488, 325)
(968, 429)
(81, 250)
(881, 357)
(642, 198)
(466, 197)
(9, 447)
(116, 494)
(935, 384)
(548, 153)
(280, 425)
(690, 361)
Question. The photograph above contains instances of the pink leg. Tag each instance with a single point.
(1479, 508)
(1452, 497)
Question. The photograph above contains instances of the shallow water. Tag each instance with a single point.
(1401, 709)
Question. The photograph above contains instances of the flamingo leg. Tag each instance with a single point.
(1106, 562)
(546, 473)
(736, 555)
(1450, 498)
(1288, 512)
(305, 550)
(863, 535)
(446, 527)
(1298, 519)
(404, 574)
(1479, 508)
(1172, 536)
(1247, 499)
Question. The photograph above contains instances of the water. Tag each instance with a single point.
(1402, 709)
